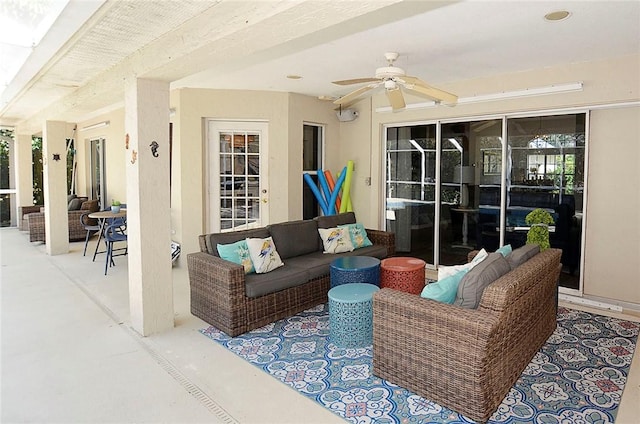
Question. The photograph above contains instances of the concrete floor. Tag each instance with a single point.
(68, 354)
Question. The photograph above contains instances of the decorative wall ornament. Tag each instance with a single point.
(56, 156)
(134, 156)
(154, 148)
(126, 141)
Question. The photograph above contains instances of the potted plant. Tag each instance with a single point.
(115, 206)
(539, 221)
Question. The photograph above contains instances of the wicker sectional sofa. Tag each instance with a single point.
(77, 231)
(467, 359)
(234, 302)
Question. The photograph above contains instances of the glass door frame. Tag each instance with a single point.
(213, 128)
(98, 169)
(504, 169)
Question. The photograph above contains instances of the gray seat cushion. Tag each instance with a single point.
(474, 282)
(317, 263)
(294, 238)
(279, 279)
(522, 254)
(212, 240)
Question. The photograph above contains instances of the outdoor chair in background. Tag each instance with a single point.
(92, 226)
(115, 232)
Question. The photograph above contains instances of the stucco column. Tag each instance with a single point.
(148, 214)
(54, 154)
(24, 170)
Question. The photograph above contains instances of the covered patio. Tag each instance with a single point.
(67, 342)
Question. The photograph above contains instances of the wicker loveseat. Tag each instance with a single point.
(77, 231)
(223, 296)
(467, 359)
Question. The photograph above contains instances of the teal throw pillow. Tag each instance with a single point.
(358, 235)
(505, 250)
(238, 253)
(445, 289)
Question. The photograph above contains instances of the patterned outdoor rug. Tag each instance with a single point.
(577, 376)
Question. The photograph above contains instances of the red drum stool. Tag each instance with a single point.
(402, 273)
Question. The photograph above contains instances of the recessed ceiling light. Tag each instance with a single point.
(556, 16)
(294, 77)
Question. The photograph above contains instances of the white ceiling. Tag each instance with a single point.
(256, 44)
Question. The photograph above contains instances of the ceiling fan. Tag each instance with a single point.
(392, 79)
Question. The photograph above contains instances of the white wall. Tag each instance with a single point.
(114, 153)
(612, 247)
(605, 83)
(285, 114)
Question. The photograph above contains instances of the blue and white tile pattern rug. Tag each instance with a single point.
(577, 377)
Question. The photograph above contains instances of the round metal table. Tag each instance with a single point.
(355, 269)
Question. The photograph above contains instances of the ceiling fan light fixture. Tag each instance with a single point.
(389, 72)
(390, 84)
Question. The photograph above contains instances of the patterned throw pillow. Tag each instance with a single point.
(358, 235)
(263, 254)
(336, 240)
(237, 253)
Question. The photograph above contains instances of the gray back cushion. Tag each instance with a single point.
(331, 221)
(474, 282)
(294, 238)
(522, 254)
(212, 240)
(74, 204)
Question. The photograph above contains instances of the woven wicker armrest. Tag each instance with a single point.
(217, 290)
(24, 210)
(219, 273)
(384, 238)
(439, 351)
(403, 315)
(36, 226)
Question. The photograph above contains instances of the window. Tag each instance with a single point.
(312, 148)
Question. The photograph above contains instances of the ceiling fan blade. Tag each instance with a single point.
(355, 81)
(396, 98)
(348, 98)
(412, 80)
(433, 93)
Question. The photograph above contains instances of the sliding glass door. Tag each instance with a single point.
(468, 189)
(411, 188)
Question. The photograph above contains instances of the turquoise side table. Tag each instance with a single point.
(351, 315)
(355, 269)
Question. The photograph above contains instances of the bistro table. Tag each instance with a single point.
(103, 217)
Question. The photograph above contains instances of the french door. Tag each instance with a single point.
(237, 179)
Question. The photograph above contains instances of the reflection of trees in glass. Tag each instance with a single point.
(71, 152)
(38, 185)
(5, 202)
